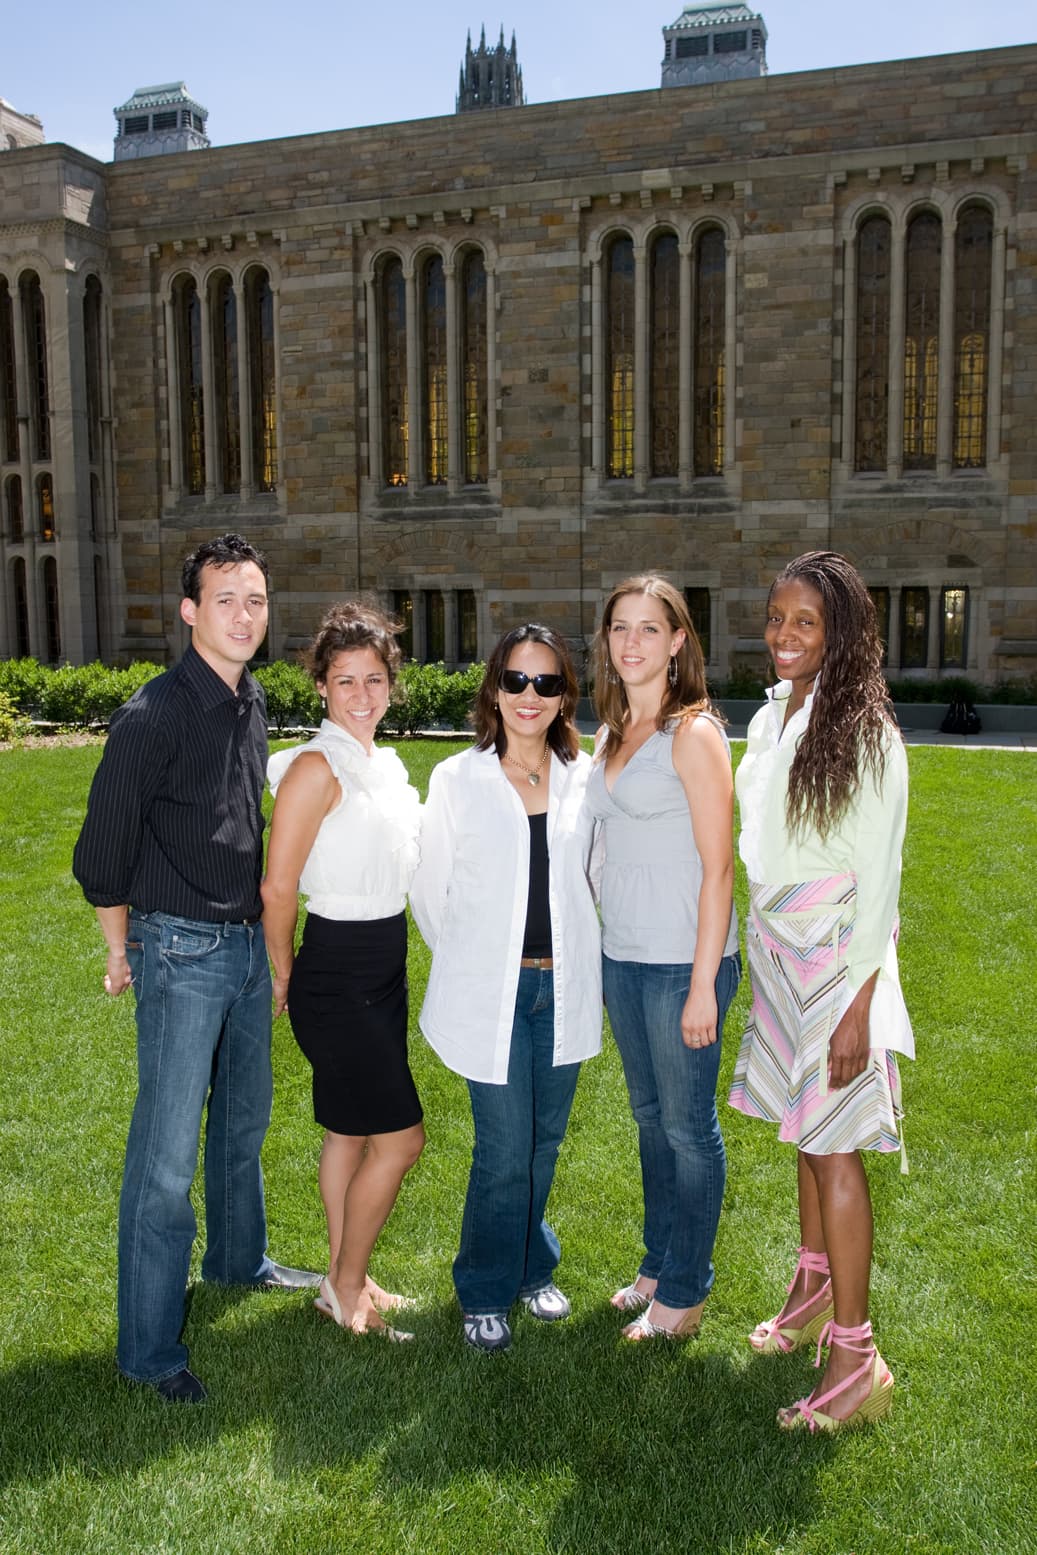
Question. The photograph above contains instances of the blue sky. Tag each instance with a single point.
(264, 69)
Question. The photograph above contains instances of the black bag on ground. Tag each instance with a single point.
(960, 718)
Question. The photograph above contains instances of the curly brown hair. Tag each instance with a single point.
(851, 712)
(490, 733)
(354, 623)
(688, 695)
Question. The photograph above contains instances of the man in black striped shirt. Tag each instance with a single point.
(170, 855)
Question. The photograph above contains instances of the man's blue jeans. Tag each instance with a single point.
(203, 1039)
(673, 1095)
(507, 1248)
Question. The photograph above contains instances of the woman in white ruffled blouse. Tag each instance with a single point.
(344, 832)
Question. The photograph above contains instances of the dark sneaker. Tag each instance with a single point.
(548, 1304)
(487, 1331)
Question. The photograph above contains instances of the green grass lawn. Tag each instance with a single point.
(314, 1442)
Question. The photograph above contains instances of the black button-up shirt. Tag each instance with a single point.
(174, 821)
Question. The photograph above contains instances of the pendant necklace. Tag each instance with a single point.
(532, 773)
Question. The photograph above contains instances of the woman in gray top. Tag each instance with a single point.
(662, 792)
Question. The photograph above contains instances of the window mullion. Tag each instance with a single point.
(597, 373)
(997, 328)
(454, 474)
(208, 396)
(684, 348)
(897, 325)
(491, 369)
(415, 409)
(640, 367)
(244, 391)
(375, 457)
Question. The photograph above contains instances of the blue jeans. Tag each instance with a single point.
(203, 1041)
(507, 1248)
(673, 1097)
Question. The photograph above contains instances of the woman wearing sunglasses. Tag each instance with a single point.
(503, 900)
(662, 792)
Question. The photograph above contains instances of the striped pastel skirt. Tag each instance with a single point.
(798, 940)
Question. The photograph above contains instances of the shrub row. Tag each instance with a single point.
(428, 695)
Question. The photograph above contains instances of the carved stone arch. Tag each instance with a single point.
(32, 262)
(188, 271)
(994, 200)
(455, 252)
(611, 230)
(377, 258)
(272, 268)
(863, 209)
(887, 540)
(708, 221)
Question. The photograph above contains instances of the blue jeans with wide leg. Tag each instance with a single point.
(673, 1096)
(203, 1047)
(507, 1248)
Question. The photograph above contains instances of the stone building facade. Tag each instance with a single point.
(487, 364)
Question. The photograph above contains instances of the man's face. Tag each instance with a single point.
(229, 621)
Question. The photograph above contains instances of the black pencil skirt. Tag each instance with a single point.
(347, 1001)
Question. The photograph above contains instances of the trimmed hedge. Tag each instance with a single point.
(428, 696)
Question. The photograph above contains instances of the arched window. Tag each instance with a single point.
(223, 314)
(35, 323)
(921, 341)
(259, 317)
(15, 517)
(872, 354)
(434, 365)
(619, 359)
(21, 608)
(973, 248)
(92, 338)
(187, 311)
(709, 366)
(45, 507)
(393, 340)
(51, 614)
(664, 355)
(474, 369)
(8, 382)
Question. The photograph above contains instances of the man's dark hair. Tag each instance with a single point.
(224, 551)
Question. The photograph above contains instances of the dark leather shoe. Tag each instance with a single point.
(183, 1387)
(280, 1278)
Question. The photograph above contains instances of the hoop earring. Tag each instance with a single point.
(611, 678)
(671, 672)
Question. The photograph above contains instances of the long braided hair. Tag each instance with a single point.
(851, 711)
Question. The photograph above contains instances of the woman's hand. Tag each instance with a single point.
(699, 1018)
(850, 1047)
(280, 993)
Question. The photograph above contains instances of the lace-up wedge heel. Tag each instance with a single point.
(876, 1403)
(781, 1333)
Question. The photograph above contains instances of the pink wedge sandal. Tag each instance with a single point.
(808, 1412)
(780, 1334)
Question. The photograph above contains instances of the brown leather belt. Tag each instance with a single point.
(542, 963)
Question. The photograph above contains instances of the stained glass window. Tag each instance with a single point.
(223, 316)
(434, 367)
(92, 338)
(435, 627)
(15, 515)
(8, 382)
(45, 507)
(921, 341)
(474, 369)
(664, 354)
(709, 367)
(51, 614)
(697, 601)
(914, 628)
(393, 337)
(259, 319)
(21, 608)
(188, 316)
(871, 397)
(34, 316)
(880, 599)
(954, 619)
(973, 247)
(403, 610)
(619, 359)
(467, 627)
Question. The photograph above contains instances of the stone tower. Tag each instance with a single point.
(490, 77)
(158, 120)
(713, 41)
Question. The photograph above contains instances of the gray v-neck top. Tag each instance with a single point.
(652, 871)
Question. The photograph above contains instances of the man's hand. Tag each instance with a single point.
(117, 978)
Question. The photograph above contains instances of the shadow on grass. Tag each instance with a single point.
(656, 1447)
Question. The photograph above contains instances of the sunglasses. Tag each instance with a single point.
(516, 681)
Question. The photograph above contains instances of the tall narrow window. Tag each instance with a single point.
(15, 517)
(871, 385)
(973, 249)
(664, 354)
(619, 359)
(96, 516)
(954, 627)
(914, 628)
(8, 381)
(34, 316)
(403, 610)
(92, 345)
(435, 627)
(393, 340)
(434, 358)
(708, 365)
(187, 311)
(45, 507)
(467, 627)
(259, 319)
(21, 608)
(697, 601)
(51, 613)
(223, 313)
(474, 370)
(880, 599)
(921, 341)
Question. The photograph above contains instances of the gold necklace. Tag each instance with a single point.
(532, 773)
